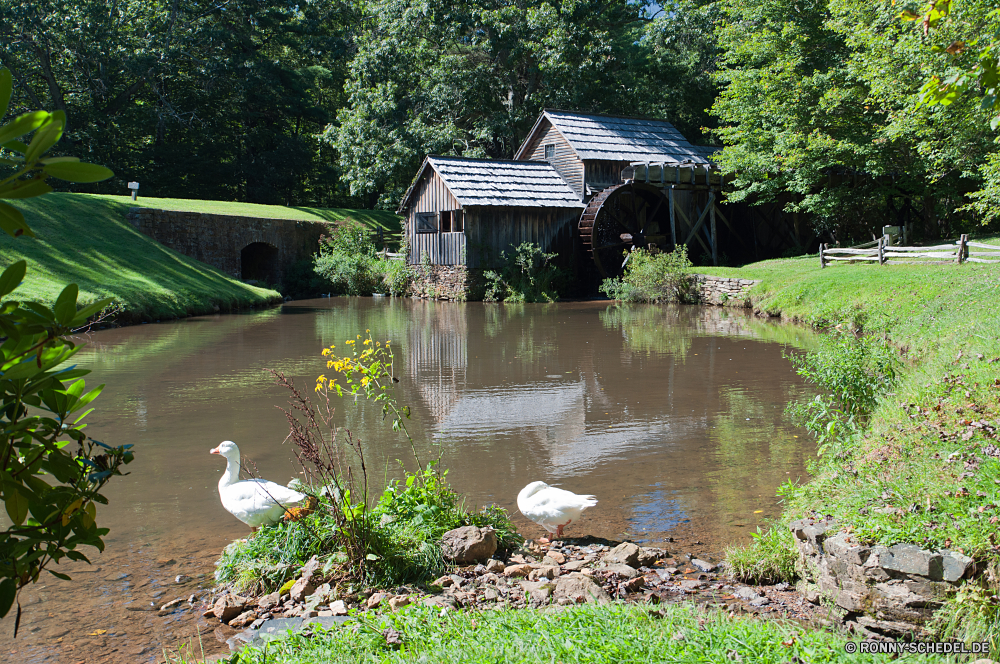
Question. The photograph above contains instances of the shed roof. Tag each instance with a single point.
(610, 138)
(499, 183)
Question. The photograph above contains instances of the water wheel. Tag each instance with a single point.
(620, 218)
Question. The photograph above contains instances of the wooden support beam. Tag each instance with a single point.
(711, 214)
(701, 220)
(673, 219)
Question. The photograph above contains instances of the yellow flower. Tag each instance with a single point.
(368, 341)
(326, 351)
(349, 341)
(365, 381)
(321, 379)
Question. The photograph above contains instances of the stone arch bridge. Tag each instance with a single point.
(247, 248)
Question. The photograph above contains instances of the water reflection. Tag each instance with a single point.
(672, 416)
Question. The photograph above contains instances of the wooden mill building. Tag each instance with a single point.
(589, 187)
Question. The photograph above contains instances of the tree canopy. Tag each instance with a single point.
(844, 110)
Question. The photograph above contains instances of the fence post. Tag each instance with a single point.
(881, 253)
(962, 247)
(822, 261)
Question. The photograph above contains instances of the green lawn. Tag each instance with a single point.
(85, 239)
(585, 634)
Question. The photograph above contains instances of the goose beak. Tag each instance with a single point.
(214, 450)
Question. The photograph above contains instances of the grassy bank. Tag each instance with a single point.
(925, 468)
(85, 239)
(589, 633)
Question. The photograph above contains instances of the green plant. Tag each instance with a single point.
(49, 487)
(648, 277)
(526, 275)
(972, 614)
(397, 276)
(768, 558)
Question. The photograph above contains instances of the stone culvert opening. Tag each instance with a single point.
(259, 262)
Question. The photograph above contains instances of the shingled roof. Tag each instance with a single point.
(499, 183)
(610, 138)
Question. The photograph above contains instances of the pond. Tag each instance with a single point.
(672, 416)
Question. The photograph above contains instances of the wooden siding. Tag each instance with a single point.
(600, 175)
(565, 160)
(431, 195)
(491, 230)
(441, 248)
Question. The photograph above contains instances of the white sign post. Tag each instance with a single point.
(134, 186)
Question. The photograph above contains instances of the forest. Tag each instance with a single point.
(846, 110)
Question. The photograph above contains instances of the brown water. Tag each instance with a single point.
(673, 417)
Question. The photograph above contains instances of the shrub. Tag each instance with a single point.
(661, 277)
(526, 275)
(349, 263)
(769, 557)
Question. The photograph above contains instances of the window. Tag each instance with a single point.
(452, 221)
(550, 151)
(427, 222)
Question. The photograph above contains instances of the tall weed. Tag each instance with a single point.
(649, 277)
(526, 275)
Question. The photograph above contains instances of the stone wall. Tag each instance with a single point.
(446, 282)
(727, 291)
(883, 591)
(219, 240)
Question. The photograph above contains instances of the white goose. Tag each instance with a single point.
(254, 502)
(552, 508)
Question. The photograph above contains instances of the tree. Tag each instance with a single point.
(818, 110)
(469, 78)
(48, 487)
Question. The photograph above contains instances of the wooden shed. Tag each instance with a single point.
(466, 211)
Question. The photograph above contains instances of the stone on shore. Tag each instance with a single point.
(469, 544)
(305, 585)
(579, 589)
(228, 607)
(623, 571)
(625, 553)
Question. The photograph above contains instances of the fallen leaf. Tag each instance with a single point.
(98, 632)
(757, 511)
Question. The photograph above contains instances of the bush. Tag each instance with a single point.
(769, 558)
(349, 263)
(661, 277)
(526, 275)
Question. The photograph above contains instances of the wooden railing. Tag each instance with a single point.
(962, 251)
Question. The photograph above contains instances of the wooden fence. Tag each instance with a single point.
(962, 251)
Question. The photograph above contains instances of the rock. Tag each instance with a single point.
(636, 584)
(321, 595)
(491, 594)
(439, 601)
(953, 566)
(623, 571)
(702, 565)
(243, 619)
(269, 601)
(443, 582)
(909, 559)
(625, 553)
(469, 544)
(538, 591)
(574, 565)
(546, 572)
(517, 570)
(172, 604)
(396, 603)
(494, 566)
(579, 588)
(556, 557)
(305, 585)
(691, 584)
(375, 600)
(338, 608)
(182, 578)
(649, 555)
(746, 594)
(228, 607)
(760, 601)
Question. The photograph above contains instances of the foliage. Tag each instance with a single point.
(971, 615)
(648, 277)
(856, 372)
(50, 489)
(584, 633)
(349, 262)
(525, 275)
(769, 557)
(819, 112)
(394, 540)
